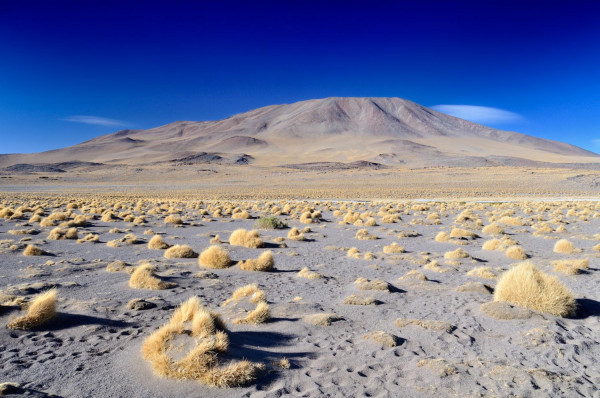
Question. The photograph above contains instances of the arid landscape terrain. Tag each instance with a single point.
(346, 246)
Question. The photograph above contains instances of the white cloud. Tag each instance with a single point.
(479, 114)
(95, 120)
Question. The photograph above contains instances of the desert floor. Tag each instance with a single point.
(437, 340)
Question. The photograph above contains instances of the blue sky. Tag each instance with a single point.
(72, 70)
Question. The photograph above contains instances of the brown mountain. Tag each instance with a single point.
(389, 131)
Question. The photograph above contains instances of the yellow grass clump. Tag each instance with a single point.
(571, 266)
(295, 234)
(363, 234)
(308, 274)
(144, 278)
(456, 254)
(493, 229)
(157, 243)
(89, 238)
(32, 250)
(242, 237)
(241, 215)
(393, 248)
(258, 315)
(255, 294)
(173, 219)
(564, 246)
(526, 286)
(214, 257)
(516, 253)
(355, 299)
(180, 251)
(264, 262)
(442, 237)
(353, 252)
(261, 313)
(201, 363)
(482, 272)
(376, 284)
(60, 234)
(460, 233)
(40, 311)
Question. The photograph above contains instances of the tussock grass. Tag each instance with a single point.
(173, 219)
(40, 311)
(482, 272)
(264, 262)
(460, 233)
(526, 286)
(393, 248)
(308, 274)
(180, 251)
(258, 315)
(571, 266)
(201, 363)
(493, 229)
(214, 257)
(295, 234)
(442, 237)
(120, 266)
(376, 284)
(322, 319)
(363, 234)
(144, 277)
(250, 239)
(383, 338)
(456, 254)
(32, 250)
(89, 238)
(353, 252)
(565, 247)
(430, 325)
(414, 275)
(157, 243)
(516, 253)
(355, 299)
(252, 291)
(60, 234)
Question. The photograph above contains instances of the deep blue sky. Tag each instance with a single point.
(147, 63)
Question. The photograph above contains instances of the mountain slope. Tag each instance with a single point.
(384, 130)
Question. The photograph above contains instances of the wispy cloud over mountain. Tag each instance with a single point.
(480, 114)
(95, 120)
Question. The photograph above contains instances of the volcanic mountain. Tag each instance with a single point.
(382, 131)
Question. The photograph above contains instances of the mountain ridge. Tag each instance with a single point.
(386, 130)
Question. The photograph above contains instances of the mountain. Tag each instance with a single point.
(383, 131)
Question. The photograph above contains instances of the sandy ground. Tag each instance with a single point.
(92, 347)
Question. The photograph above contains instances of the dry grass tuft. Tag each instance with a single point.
(354, 299)
(157, 243)
(264, 262)
(259, 315)
(252, 291)
(564, 246)
(493, 229)
(363, 234)
(353, 252)
(180, 251)
(119, 266)
(482, 272)
(201, 363)
(376, 284)
(214, 257)
(295, 234)
(460, 233)
(442, 237)
(245, 238)
(173, 219)
(526, 286)
(32, 250)
(571, 266)
(308, 274)
(383, 338)
(40, 311)
(322, 319)
(414, 275)
(430, 325)
(89, 238)
(456, 254)
(394, 248)
(144, 278)
(516, 253)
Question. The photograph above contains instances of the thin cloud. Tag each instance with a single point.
(479, 114)
(95, 120)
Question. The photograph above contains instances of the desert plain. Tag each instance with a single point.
(373, 298)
